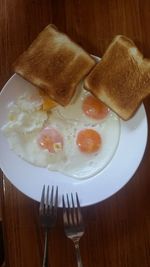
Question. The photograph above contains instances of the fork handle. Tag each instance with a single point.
(78, 256)
(45, 256)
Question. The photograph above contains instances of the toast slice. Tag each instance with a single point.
(54, 63)
(122, 78)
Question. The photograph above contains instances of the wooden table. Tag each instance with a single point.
(117, 229)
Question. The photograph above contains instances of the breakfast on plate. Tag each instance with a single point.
(122, 78)
(68, 121)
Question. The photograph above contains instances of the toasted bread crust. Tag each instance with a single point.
(54, 63)
(122, 78)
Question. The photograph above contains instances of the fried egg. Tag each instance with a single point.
(78, 140)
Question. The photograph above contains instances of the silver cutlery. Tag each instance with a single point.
(73, 223)
(48, 214)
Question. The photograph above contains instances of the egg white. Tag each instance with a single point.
(27, 121)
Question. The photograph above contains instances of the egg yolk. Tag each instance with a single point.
(88, 141)
(50, 139)
(94, 108)
(48, 103)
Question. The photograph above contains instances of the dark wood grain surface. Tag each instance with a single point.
(117, 229)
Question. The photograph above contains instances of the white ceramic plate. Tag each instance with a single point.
(30, 179)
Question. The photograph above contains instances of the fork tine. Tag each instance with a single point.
(79, 214)
(51, 199)
(74, 211)
(47, 200)
(56, 202)
(70, 220)
(42, 202)
(65, 217)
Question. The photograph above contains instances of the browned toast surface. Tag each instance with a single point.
(122, 78)
(54, 63)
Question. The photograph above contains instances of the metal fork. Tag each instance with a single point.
(73, 223)
(48, 215)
